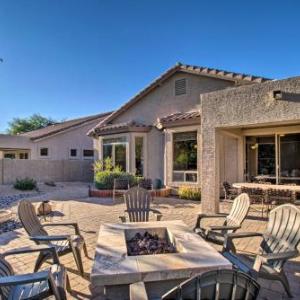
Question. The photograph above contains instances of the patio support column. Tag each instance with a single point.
(210, 185)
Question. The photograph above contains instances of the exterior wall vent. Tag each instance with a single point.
(180, 87)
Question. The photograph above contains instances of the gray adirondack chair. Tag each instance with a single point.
(40, 285)
(279, 244)
(232, 221)
(220, 284)
(138, 209)
(63, 244)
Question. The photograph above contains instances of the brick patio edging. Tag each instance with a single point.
(108, 193)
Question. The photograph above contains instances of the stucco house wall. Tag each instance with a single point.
(159, 103)
(59, 144)
(240, 108)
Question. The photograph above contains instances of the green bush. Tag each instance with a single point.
(25, 184)
(104, 180)
(190, 193)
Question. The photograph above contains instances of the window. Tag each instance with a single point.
(73, 153)
(180, 87)
(185, 157)
(44, 152)
(139, 156)
(87, 153)
(115, 148)
(23, 155)
(10, 155)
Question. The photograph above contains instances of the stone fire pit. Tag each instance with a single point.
(116, 270)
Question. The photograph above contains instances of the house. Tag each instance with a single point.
(157, 134)
(61, 141)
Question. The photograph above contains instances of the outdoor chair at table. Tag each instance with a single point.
(279, 244)
(229, 191)
(257, 196)
(220, 284)
(278, 197)
(232, 222)
(137, 201)
(53, 281)
(120, 187)
(64, 244)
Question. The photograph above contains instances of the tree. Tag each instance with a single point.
(21, 125)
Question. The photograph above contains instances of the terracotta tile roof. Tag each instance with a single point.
(121, 127)
(180, 117)
(59, 127)
(239, 78)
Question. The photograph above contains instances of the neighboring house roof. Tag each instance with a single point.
(239, 78)
(176, 119)
(60, 127)
(122, 127)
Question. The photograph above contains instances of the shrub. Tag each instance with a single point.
(104, 180)
(25, 184)
(190, 193)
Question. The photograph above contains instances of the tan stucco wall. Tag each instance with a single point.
(43, 170)
(246, 107)
(14, 142)
(161, 102)
(60, 144)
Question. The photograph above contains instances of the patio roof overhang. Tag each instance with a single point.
(131, 126)
(179, 119)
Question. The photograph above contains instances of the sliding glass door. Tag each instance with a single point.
(274, 158)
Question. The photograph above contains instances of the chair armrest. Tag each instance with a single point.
(278, 256)
(74, 224)
(32, 249)
(224, 227)
(24, 278)
(138, 291)
(123, 219)
(49, 238)
(205, 216)
(228, 239)
(157, 213)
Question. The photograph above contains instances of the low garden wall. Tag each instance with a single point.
(45, 170)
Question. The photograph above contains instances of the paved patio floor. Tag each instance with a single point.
(91, 212)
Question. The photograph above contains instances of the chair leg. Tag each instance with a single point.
(40, 260)
(85, 249)
(78, 260)
(283, 279)
(68, 285)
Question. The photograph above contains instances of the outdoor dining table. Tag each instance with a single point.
(263, 186)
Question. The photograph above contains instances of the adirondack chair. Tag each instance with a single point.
(138, 209)
(219, 284)
(232, 222)
(63, 244)
(120, 187)
(40, 285)
(279, 244)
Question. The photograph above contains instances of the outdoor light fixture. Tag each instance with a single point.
(253, 147)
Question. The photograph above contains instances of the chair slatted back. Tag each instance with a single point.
(220, 284)
(5, 270)
(29, 219)
(239, 211)
(283, 232)
(137, 202)
(121, 184)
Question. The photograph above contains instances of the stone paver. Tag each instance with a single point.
(91, 212)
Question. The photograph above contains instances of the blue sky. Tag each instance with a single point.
(70, 58)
